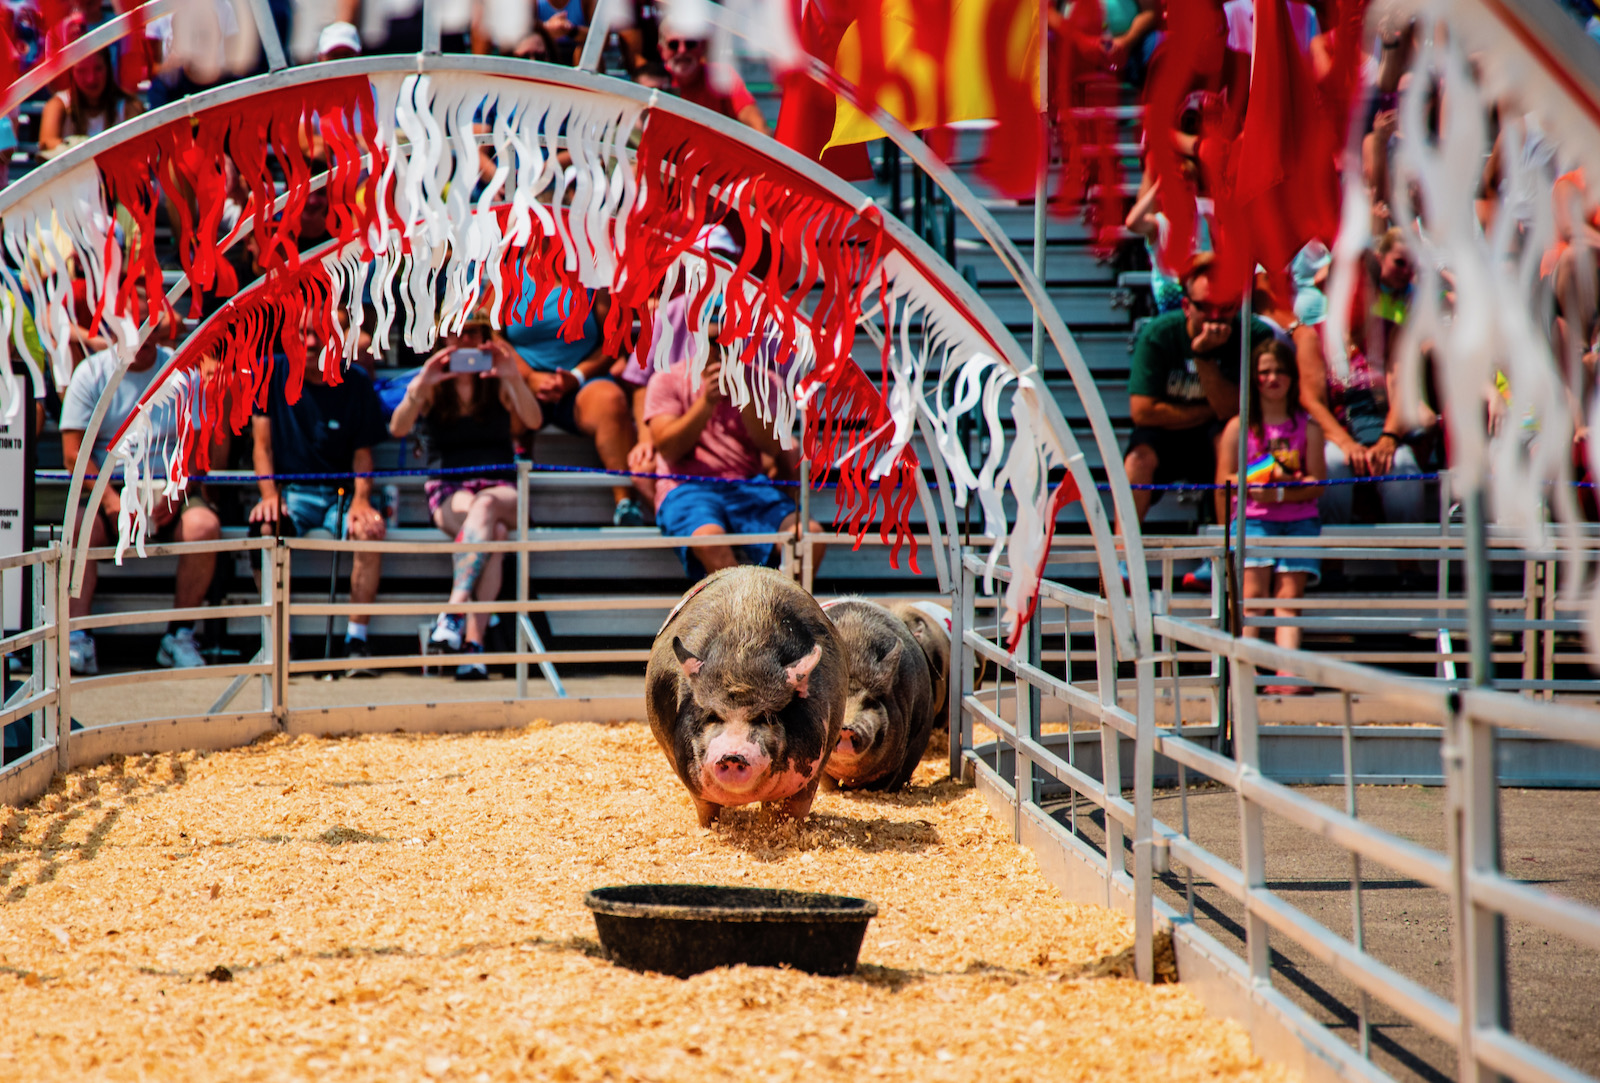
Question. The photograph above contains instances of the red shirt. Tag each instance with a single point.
(703, 91)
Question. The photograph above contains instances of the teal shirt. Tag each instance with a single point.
(536, 336)
(1119, 15)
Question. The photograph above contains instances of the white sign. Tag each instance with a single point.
(15, 490)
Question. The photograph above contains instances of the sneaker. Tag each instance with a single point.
(629, 513)
(472, 671)
(355, 651)
(178, 650)
(447, 631)
(80, 653)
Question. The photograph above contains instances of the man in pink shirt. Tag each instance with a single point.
(697, 431)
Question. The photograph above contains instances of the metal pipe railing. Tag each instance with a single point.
(1467, 872)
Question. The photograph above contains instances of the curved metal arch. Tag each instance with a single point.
(1133, 635)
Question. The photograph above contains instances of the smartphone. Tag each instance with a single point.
(471, 361)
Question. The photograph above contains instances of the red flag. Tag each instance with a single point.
(1011, 153)
(1191, 52)
(1083, 95)
(1283, 181)
(1338, 87)
(11, 51)
(805, 119)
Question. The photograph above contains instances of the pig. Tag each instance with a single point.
(929, 624)
(745, 692)
(889, 710)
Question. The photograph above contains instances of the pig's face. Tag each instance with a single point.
(867, 722)
(882, 697)
(746, 729)
(745, 692)
(874, 714)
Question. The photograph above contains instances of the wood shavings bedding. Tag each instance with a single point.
(400, 907)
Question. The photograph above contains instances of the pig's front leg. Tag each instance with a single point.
(707, 811)
(798, 807)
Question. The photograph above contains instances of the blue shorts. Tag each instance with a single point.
(313, 506)
(1265, 530)
(737, 509)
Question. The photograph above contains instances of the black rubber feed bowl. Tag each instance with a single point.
(682, 929)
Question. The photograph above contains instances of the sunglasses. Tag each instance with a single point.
(682, 45)
(1221, 313)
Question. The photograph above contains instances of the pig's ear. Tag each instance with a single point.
(691, 665)
(799, 674)
(891, 657)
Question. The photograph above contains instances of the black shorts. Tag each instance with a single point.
(563, 414)
(1182, 455)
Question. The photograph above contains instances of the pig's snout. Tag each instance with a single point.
(854, 742)
(735, 764)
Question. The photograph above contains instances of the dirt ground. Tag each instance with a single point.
(395, 907)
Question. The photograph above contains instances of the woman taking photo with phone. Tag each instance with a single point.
(467, 404)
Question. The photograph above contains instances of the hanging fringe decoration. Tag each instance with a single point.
(820, 256)
(218, 378)
(582, 193)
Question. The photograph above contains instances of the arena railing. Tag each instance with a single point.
(36, 700)
(1543, 624)
(1029, 755)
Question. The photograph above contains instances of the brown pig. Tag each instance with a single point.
(745, 692)
(929, 624)
(889, 710)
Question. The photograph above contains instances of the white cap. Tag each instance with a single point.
(338, 36)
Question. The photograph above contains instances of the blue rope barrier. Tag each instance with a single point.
(553, 468)
(1211, 487)
(475, 471)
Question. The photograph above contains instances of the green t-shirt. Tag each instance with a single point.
(1119, 15)
(1164, 359)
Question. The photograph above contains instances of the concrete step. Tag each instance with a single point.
(1065, 264)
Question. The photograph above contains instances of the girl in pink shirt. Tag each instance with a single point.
(1280, 428)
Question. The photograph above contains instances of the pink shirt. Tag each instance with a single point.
(724, 449)
(1287, 443)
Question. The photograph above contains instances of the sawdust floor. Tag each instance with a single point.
(397, 907)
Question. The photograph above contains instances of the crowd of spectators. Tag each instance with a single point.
(1183, 384)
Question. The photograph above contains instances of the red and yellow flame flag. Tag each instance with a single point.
(928, 63)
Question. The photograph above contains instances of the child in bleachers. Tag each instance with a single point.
(91, 102)
(1284, 444)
